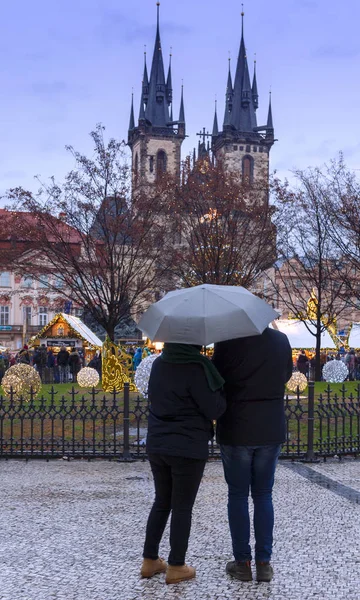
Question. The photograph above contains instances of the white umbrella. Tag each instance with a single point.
(206, 313)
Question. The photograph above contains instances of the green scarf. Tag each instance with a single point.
(182, 354)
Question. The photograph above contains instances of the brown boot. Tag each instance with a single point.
(152, 567)
(175, 574)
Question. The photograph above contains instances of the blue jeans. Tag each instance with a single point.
(250, 468)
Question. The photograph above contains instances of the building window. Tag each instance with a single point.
(235, 147)
(260, 148)
(78, 312)
(43, 281)
(248, 148)
(5, 279)
(151, 164)
(254, 148)
(59, 281)
(27, 281)
(4, 315)
(161, 160)
(27, 315)
(43, 315)
(247, 169)
(241, 148)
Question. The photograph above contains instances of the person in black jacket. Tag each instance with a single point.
(185, 397)
(250, 433)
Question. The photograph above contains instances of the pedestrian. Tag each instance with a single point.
(302, 363)
(74, 364)
(137, 358)
(62, 360)
(250, 434)
(351, 363)
(50, 365)
(42, 363)
(24, 356)
(184, 399)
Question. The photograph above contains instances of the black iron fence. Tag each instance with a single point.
(113, 426)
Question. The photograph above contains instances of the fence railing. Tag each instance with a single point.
(114, 425)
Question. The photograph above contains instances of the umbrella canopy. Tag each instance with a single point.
(206, 313)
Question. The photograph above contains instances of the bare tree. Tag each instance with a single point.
(310, 278)
(106, 245)
(221, 227)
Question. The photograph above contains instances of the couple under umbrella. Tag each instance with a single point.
(243, 389)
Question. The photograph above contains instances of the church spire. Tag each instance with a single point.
(215, 131)
(157, 108)
(182, 110)
(145, 83)
(243, 117)
(270, 124)
(229, 97)
(254, 89)
(169, 89)
(132, 118)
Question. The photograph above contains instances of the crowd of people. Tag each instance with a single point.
(61, 367)
(305, 362)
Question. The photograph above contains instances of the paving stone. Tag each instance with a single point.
(74, 531)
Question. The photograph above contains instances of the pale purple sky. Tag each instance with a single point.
(68, 65)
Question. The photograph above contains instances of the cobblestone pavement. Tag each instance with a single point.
(74, 531)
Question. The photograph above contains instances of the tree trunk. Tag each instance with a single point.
(318, 348)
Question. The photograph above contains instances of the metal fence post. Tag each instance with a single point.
(310, 423)
(126, 452)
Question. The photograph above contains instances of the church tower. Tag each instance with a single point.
(156, 140)
(242, 145)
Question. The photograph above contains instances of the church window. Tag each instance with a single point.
(161, 160)
(151, 164)
(136, 166)
(248, 148)
(248, 169)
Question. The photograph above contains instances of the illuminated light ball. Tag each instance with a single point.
(297, 380)
(335, 371)
(142, 374)
(23, 380)
(88, 377)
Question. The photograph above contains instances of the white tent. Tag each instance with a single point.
(300, 337)
(354, 336)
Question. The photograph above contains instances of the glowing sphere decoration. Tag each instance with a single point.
(297, 380)
(88, 377)
(23, 380)
(142, 374)
(335, 371)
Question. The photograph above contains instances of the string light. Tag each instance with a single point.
(142, 374)
(335, 371)
(297, 380)
(88, 377)
(23, 380)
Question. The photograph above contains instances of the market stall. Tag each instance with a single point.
(67, 331)
(299, 335)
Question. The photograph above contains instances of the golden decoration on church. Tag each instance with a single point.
(116, 368)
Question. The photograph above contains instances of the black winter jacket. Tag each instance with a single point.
(255, 370)
(182, 408)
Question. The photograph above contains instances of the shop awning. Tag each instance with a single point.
(300, 337)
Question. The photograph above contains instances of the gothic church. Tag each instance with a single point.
(156, 139)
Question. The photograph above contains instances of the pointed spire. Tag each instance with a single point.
(157, 108)
(182, 110)
(270, 125)
(229, 97)
(254, 89)
(132, 118)
(169, 83)
(145, 80)
(142, 109)
(194, 157)
(243, 117)
(215, 130)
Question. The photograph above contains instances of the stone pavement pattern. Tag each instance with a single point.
(74, 531)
